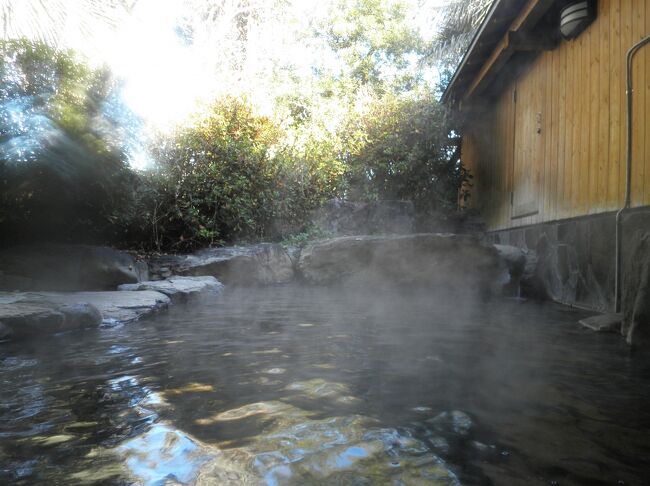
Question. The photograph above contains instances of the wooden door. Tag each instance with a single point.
(528, 151)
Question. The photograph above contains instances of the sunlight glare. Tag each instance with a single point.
(165, 76)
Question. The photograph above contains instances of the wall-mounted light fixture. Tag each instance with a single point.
(576, 17)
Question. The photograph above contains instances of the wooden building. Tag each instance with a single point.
(546, 135)
(544, 131)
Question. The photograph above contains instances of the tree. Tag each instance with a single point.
(375, 43)
(230, 177)
(402, 148)
(58, 174)
(460, 20)
(313, 100)
(44, 21)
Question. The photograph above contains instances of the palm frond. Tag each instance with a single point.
(47, 20)
(460, 20)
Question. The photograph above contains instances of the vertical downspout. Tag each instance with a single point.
(628, 171)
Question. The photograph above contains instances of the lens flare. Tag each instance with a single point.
(165, 74)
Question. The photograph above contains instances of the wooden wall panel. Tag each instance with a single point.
(560, 135)
(582, 166)
(626, 42)
(550, 155)
(603, 111)
(638, 33)
(593, 60)
(646, 53)
(617, 97)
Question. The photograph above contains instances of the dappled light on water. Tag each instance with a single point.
(383, 388)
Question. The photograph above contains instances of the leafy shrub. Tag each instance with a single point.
(228, 178)
(404, 149)
(231, 176)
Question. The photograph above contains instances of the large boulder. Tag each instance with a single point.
(513, 263)
(22, 316)
(514, 258)
(519, 272)
(448, 260)
(177, 288)
(67, 267)
(261, 264)
(116, 307)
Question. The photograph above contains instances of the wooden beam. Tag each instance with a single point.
(539, 41)
(515, 39)
(501, 54)
(448, 95)
(524, 16)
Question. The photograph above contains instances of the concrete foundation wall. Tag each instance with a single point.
(576, 257)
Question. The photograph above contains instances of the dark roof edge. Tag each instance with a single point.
(472, 45)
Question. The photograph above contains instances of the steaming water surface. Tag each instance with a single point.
(294, 385)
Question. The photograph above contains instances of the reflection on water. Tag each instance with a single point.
(295, 385)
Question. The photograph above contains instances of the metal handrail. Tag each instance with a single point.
(628, 174)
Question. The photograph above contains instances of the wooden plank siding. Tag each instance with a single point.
(573, 98)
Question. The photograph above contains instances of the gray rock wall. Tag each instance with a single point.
(575, 259)
(636, 279)
(576, 264)
(67, 268)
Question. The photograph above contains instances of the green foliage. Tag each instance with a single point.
(353, 124)
(460, 21)
(402, 148)
(374, 41)
(213, 181)
(301, 239)
(228, 178)
(58, 177)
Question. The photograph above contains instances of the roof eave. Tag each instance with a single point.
(472, 46)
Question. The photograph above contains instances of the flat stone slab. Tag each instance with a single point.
(177, 287)
(113, 306)
(116, 306)
(603, 323)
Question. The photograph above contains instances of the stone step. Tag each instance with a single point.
(603, 323)
(177, 288)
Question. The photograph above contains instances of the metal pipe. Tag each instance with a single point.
(628, 170)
